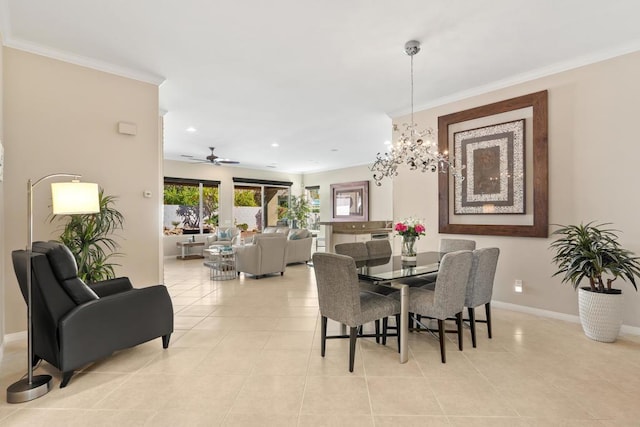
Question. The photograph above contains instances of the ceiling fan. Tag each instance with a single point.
(215, 160)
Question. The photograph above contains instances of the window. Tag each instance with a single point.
(190, 206)
(313, 197)
(260, 203)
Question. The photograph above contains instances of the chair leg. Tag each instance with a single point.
(441, 336)
(323, 333)
(418, 320)
(459, 324)
(487, 309)
(66, 376)
(165, 340)
(398, 330)
(472, 324)
(385, 324)
(352, 347)
(377, 323)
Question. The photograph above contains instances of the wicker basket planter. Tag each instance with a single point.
(600, 314)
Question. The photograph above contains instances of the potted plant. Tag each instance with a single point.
(298, 211)
(88, 237)
(592, 251)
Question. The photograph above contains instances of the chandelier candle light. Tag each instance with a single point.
(410, 230)
(414, 148)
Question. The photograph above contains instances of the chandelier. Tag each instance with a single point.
(414, 148)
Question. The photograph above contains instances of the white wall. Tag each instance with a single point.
(2, 236)
(61, 117)
(593, 153)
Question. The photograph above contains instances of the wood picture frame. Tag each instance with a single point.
(350, 201)
(534, 223)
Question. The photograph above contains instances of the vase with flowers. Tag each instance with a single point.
(410, 229)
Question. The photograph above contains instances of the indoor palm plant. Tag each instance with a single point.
(299, 211)
(592, 251)
(89, 237)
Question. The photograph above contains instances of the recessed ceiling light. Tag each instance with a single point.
(191, 129)
(334, 149)
(387, 143)
(275, 144)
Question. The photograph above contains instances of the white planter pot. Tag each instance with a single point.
(600, 315)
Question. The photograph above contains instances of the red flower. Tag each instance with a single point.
(420, 228)
(400, 227)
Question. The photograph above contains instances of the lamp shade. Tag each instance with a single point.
(71, 198)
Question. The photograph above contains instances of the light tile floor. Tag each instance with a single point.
(246, 353)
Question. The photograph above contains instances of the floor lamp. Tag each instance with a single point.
(68, 198)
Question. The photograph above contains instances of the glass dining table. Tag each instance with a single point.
(391, 272)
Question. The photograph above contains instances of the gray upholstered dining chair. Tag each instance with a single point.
(452, 245)
(447, 300)
(446, 245)
(379, 249)
(480, 287)
(340, 298)
(355, 250)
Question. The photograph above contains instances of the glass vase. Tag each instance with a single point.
(409, 256)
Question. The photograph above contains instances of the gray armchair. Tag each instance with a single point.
(265, 255)
(75, 324)
(223, 237)
(299, 243)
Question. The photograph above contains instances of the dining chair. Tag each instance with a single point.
(452, 245)
(341, 299)
(428, 281)
(360, 254)
(480, 287)
(378, 249)
(448, 297)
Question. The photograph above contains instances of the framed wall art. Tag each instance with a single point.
(350, 201)
(493, 169)
(502, 148)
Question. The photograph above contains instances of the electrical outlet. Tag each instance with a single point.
(518, 287)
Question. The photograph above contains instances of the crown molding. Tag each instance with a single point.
(9, 41)
(526, 77)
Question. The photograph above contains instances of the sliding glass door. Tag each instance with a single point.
(260, 205)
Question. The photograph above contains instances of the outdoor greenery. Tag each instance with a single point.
(187, 197)
(89, 237)
(246, 198)
(592, 251)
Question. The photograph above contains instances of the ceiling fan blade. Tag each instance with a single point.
(227, 162)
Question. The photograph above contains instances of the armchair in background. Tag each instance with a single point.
(224, 236)
(266, 254)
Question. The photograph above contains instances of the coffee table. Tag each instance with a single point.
(221, 263)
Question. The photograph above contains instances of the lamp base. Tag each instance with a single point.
(23, 391)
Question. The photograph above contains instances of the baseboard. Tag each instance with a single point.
(630, 330)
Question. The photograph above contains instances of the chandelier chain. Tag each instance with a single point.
(414, 148)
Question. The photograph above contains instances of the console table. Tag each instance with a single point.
(185, 250)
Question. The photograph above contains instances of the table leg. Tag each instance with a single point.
(404, 323)
(182, 251)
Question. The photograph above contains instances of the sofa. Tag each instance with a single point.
(299, 241)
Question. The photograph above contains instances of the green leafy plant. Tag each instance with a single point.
(592, 251)
(299, 210)
(89, 237)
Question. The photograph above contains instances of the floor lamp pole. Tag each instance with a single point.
(31, 387)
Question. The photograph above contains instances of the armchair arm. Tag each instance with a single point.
(248, 259)
(111, 287)
(98, 328)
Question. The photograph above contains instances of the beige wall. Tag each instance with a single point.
(2, 237)
(380, 198)
(62, 117)
(593, 152)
